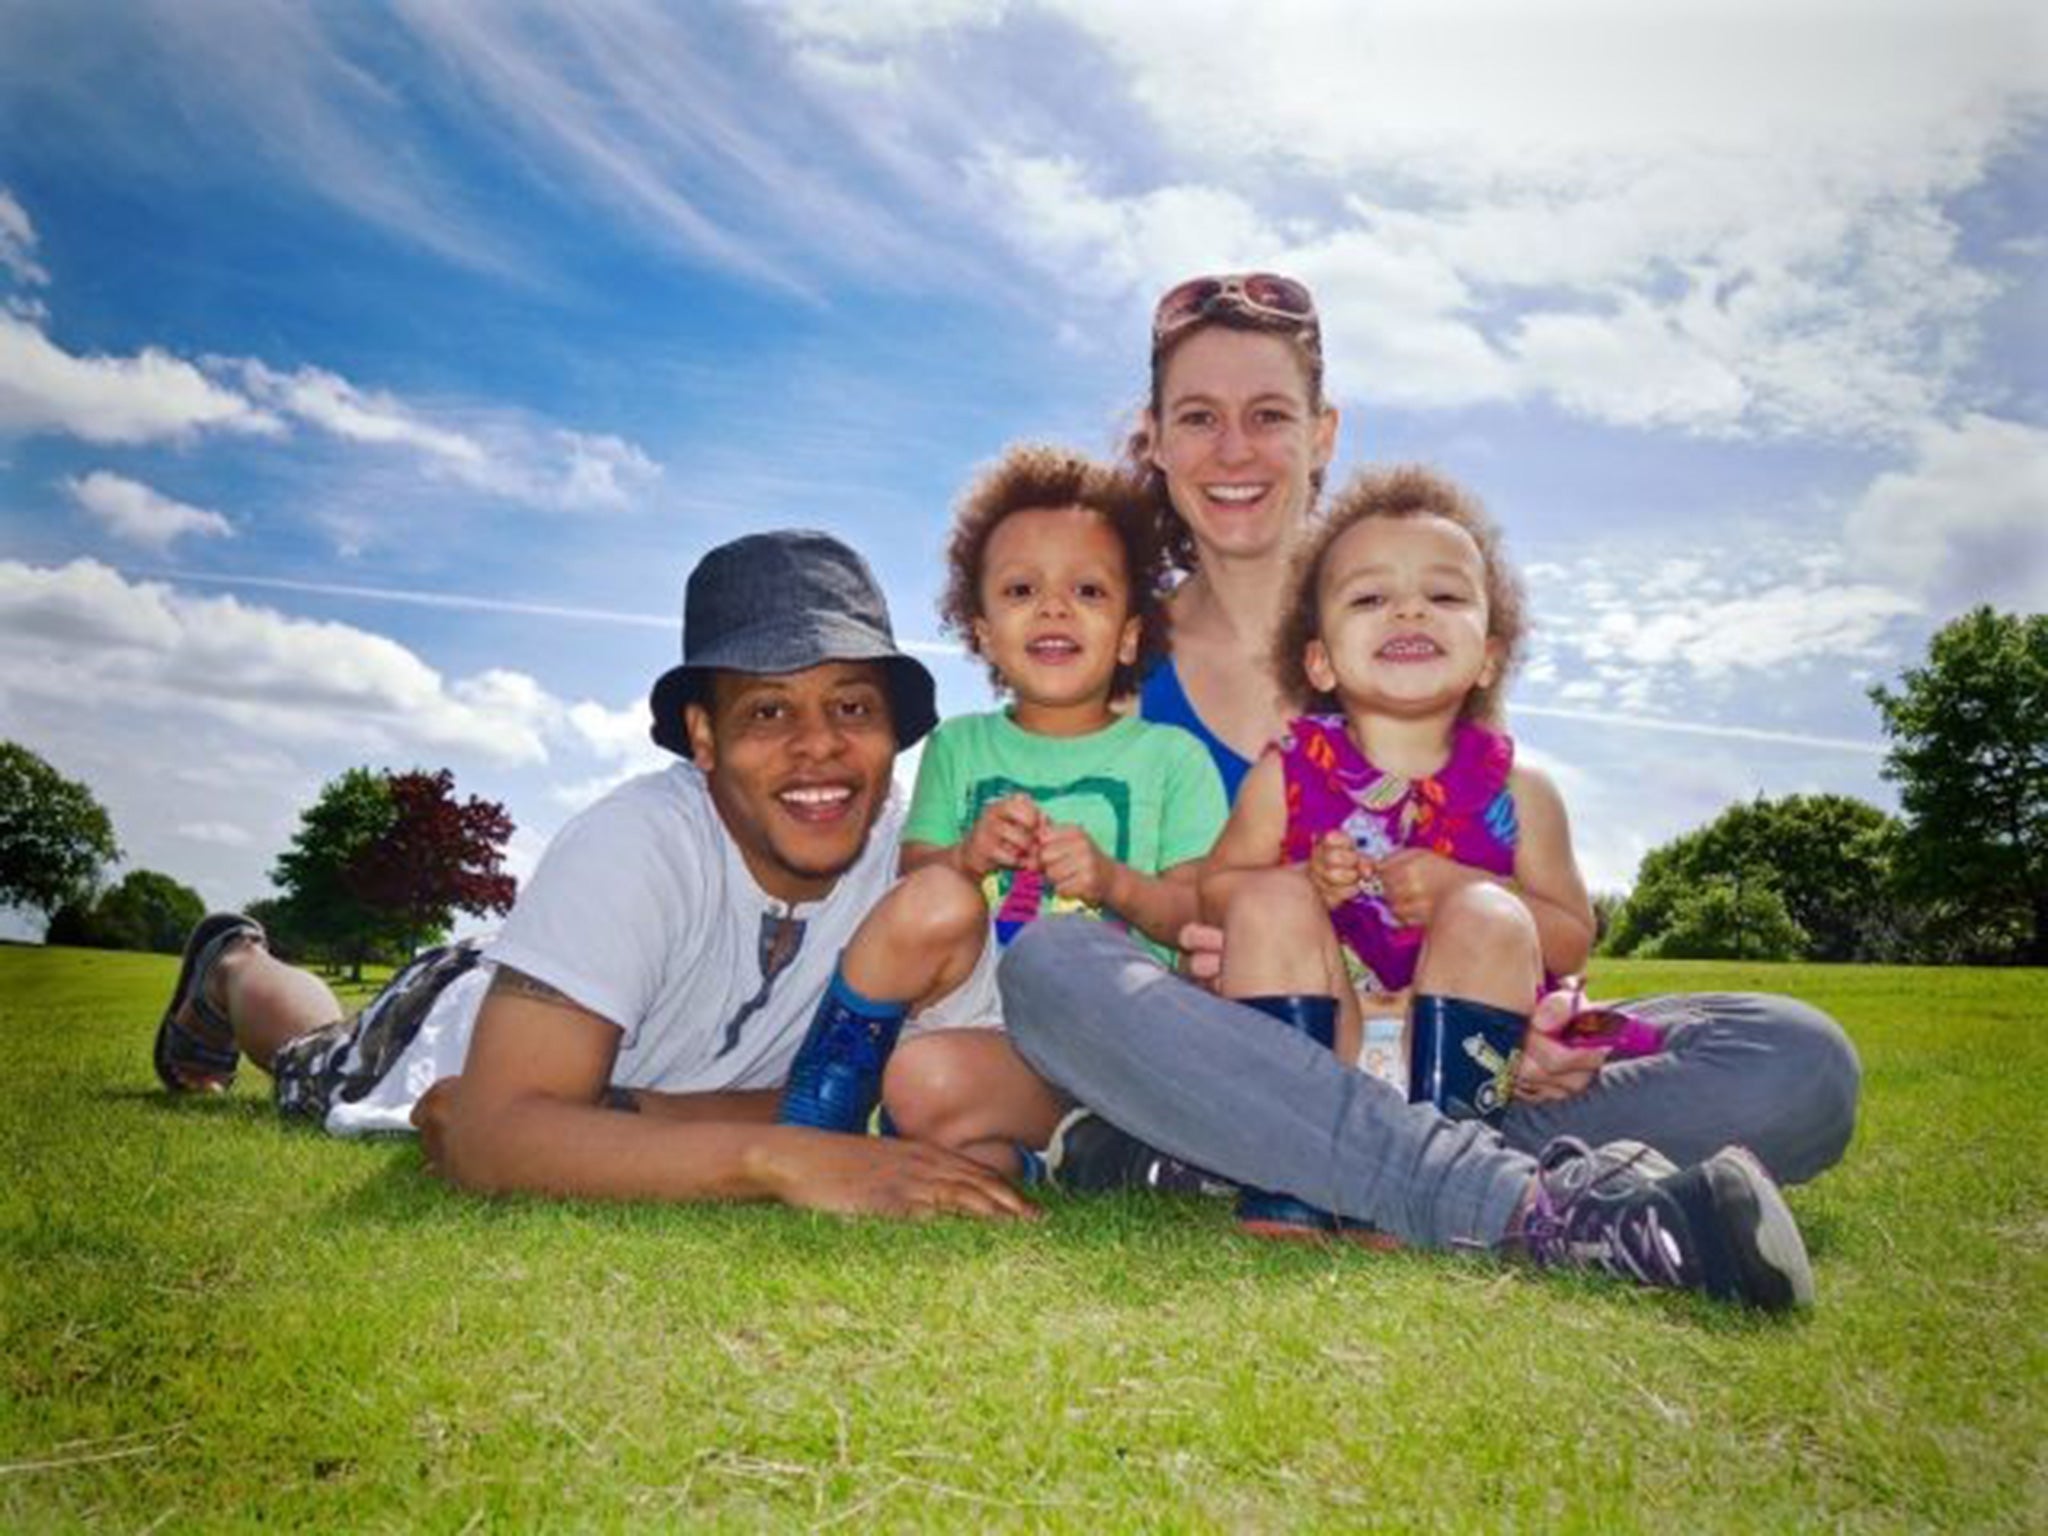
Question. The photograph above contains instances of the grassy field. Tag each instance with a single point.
(207, 1319)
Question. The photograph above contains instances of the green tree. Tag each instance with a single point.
(54, 836)
(1827, 859)
(350, 813)
(146, 911)
(281, 933)
(1969, 753)
(1719, 919)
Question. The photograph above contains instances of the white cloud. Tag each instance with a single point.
(86, 635)
(1678, 216)
(18, 242)
(150, 397)
(132, 511)
(1766, 631)
(1967, 521)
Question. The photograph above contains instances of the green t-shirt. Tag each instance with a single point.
(1149, 795)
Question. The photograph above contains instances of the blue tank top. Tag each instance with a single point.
(1161, 698)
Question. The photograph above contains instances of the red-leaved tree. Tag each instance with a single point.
(437, 857)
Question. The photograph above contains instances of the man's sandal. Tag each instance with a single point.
(188, 1061)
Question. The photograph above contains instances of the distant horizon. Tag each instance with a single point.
(371, 377)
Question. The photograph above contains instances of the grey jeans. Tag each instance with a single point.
(1230, 1090)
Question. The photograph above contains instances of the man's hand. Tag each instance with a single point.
(1548, 1070)
(1414, 880)
(819, 1170)
(1004, 836)
(1078, 870)
(869, 1176)
(1337, 869)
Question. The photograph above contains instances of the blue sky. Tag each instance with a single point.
(370, 376)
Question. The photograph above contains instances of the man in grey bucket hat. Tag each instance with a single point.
(628, 1032)
(781, 602)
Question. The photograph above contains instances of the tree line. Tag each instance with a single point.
(382, 860)
(381, 863)
(1960, 876)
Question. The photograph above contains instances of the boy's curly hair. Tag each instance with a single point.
(1404, 490)
(1034, 477)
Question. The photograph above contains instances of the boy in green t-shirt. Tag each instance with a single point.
(1057, 803)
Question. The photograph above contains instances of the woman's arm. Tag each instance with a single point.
(1547, 873)
(1253, 839)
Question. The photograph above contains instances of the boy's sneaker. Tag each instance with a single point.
(1088, 1155)
(1719, 1227)
(836, 1080)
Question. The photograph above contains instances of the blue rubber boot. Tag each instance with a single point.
(1265, 1213)
(836, 1080)
(1462, 1056)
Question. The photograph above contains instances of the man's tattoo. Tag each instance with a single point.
(516, 983)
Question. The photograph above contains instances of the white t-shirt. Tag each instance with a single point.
(643, 911)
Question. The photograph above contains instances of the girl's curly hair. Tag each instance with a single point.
(1404, 490)
(1034, 477)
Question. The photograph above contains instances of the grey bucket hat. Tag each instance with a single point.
(781, 602)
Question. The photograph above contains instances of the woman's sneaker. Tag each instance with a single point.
(1719, 1227)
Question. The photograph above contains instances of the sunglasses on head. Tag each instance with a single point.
(1263, 295)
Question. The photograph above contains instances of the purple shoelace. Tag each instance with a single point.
(1590, 1210)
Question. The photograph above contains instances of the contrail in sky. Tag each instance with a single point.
(458, 601)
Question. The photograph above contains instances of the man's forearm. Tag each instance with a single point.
(755, 1106)
(541, 1145)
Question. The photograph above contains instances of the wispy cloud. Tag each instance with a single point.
(131, 511)
(488, 449)
(461, 603)
(1657, 723)
(18, 243)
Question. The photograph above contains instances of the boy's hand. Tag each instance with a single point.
(1414, 880)
(1077, 869)
(1004, 837)
(1337, 869)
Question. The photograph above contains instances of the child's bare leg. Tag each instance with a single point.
(1278, 942)
(1482, 944)
(921, 940)
(969, 1090)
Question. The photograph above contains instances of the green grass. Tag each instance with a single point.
(208, 1319)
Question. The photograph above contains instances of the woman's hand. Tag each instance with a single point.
(1201, 953)
(1547, 1070)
